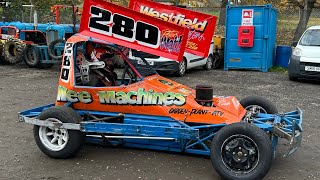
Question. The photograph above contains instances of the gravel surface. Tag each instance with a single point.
(22, 88)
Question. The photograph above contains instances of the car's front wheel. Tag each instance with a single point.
(292, 77)
(58, 142)
(241, 151)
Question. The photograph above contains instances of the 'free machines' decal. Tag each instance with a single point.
(140, 97)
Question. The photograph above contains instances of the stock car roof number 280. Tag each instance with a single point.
(123, 27)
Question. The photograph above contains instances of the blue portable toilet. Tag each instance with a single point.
(250, 37)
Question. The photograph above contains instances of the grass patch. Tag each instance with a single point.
(278, 69)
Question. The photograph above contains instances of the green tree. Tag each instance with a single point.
(222, 16)
(15, 10)
(306, 7)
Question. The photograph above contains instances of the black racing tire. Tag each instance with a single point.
(1, 53)
(263, 105)
(51, 52)
(32, 56)
(182, 68)
(13, 51)
(292, 78)
(241, 151)
(209, 63)
(71, 141)
(217, 61)
(1, 47)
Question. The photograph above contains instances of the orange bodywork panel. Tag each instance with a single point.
(153, 95)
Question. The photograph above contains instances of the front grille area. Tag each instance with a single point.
(144, 55)
(310, 73)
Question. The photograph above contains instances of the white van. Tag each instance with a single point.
(164, 65)
(305, 59)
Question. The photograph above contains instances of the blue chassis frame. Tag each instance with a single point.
(165, 133)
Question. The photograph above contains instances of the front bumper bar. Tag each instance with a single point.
(283, 125)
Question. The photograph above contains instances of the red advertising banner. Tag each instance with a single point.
(125, 27)
(201, 25)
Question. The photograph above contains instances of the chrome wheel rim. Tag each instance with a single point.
(182, 67)
(209, 62)
(54, 139)
(256, 109)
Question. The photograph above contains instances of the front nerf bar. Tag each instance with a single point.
(285, 125)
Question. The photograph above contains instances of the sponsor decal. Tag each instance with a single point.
(128, 28)
(192, 45)
(67, 58)
(195, 112)
(165, 82)
(184, 91)
(140, 97)
(217, 113)
(65, 95)
(196, 35)
(201, 25)
(198, 111)
(178, 111)
(178, 19)
(170, 41)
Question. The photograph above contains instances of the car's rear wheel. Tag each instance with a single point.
(259, 104)
(241, 151)
(217, 61)
(209, 63)
(58, 142)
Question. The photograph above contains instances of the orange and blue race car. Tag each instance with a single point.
(136, 107)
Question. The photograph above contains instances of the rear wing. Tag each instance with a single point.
(201, 25)
(125, 27)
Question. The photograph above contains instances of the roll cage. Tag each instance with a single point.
(132, 72)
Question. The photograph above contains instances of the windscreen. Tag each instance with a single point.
(311, 38)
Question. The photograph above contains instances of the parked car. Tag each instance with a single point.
(305, 58)
(164, 65)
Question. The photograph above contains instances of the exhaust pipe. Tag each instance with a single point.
(35, 20)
